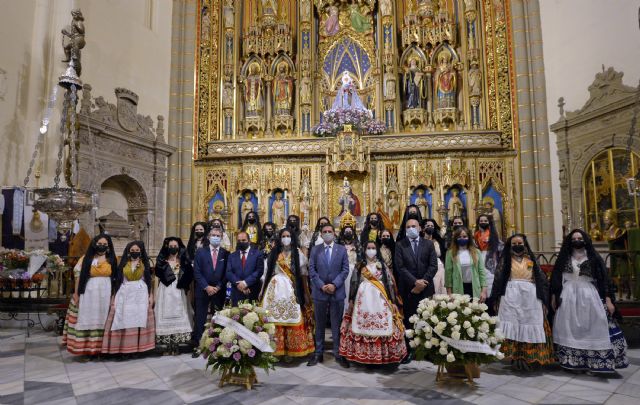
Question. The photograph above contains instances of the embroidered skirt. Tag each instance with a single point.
(597, 361)
(371, 350)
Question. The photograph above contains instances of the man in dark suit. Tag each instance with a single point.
(244, 269)
(416, 263)
(328, 269)
(209, 273)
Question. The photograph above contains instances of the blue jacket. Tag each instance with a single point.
(203, 269)
(321, 272)
(251, 274)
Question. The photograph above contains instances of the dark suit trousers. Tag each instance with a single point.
(203, 303)
(336, 310)
(410, 304)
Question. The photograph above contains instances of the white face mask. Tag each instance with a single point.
(371, 253)
(327, 237)
(286, 241)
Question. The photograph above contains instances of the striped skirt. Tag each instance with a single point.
(80, 342)
(541, 353)
(131, 340)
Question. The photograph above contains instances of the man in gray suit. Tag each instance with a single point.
(328, 269)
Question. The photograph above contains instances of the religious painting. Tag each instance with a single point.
(247, 202)
(421, 196)
(347, 193)
(455, 200)
(278, 208)
(492, 204)
(215, 206)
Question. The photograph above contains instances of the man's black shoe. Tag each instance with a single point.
(314, 360)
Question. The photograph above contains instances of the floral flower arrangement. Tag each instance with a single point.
(454, 329)
(14, 259)
(335, 119)
(227, 351)
(55, 263)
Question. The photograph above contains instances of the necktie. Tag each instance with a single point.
(327, 254)
(244, 259)
(415, 246)
(214, 258)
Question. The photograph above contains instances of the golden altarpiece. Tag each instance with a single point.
(438, 73)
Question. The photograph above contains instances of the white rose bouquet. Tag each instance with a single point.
(454, 329)
(226, 350)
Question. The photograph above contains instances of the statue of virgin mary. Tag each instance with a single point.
(347, 96)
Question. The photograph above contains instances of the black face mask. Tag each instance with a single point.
(517, 249)
(577, 244)
(348, 235)
(429, 231)
(134, 255)
(242, 245)
(293, 225)
(374, 222)
(173, 250)
(199, 234)
(251, 220)
(101, 249)
(456, 227)
(484, 226)
(413, 215)
(386, 241)
(268, 232)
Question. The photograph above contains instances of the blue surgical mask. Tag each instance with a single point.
(413, 233)
(214, 240)
(462, 242)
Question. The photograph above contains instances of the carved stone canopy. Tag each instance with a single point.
(115, 225)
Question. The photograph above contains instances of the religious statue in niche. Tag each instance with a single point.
(228, 14)
(278, 215)
(332, 25)
(347, 96)
(359, 22)
(490, 209)
(415, 87)
(247, 205)
(305, 202)
(385, 7)
(456, 206)
(389, 83)
(205, 24)
(348, 200)
(446, 83)
(216, 210)
(283, 90)
(393, 208)
(305, 90)
(475, 81)
(305, 10)
(422, 203)
(253, 92)
(270, 7)
(73, 39)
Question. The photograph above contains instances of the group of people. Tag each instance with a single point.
(365, 286)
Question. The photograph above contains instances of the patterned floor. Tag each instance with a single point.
(36, 370)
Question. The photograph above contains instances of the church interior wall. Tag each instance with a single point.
(128, 44)
(579, 37)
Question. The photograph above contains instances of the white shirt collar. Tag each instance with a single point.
(330, 246)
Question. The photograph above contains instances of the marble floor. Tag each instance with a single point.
(37, 370)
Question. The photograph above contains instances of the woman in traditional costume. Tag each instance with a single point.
(520, 297)
(463, 267)
(95, 275)
(490, 245)
(431, 231)
(288, 299)
(372, 331)
(173, 312)
(584, 332)
(130, 327)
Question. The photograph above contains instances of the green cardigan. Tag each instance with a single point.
(453, 275)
